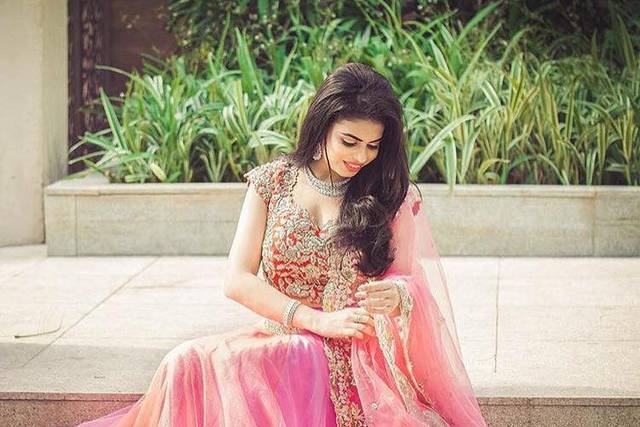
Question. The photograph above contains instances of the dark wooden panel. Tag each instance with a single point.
(107, 32)
(136, 27)
(87, 43)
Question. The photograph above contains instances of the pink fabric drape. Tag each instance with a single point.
(244, 378)
(412, 372)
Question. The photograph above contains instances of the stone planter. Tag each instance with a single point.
(93, 217)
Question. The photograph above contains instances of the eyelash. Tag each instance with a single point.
(351, 144)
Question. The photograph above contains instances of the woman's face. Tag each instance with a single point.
(352, 144)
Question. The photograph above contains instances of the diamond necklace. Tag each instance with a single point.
(324, 187)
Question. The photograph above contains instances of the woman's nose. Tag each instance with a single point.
(362, 156)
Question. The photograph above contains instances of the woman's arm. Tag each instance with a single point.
(241, 282)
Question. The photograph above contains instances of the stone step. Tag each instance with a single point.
(546, 341)
(69, 409)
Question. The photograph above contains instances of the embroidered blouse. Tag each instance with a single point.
(297, 256)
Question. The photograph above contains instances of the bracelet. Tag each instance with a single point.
(289, 311)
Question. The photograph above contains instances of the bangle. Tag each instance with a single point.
(289, 311)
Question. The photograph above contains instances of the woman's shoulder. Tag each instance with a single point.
(270, 170)
(269, 178)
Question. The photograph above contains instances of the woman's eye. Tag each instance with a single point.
(351, 144)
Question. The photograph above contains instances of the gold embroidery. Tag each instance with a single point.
(294, 251)
(406, 306)
(406, 390)
(299, 260)
(344, 393)
(339, 293)
(277, 328)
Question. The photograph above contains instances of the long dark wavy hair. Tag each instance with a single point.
(374, 195)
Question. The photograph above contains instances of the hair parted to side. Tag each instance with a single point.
(376, 192)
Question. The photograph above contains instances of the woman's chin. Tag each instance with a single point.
(347, 174)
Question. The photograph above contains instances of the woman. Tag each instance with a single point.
(358, 328)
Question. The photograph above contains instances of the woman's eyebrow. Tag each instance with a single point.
(355, 137)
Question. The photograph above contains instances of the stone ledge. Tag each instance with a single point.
(93, 217)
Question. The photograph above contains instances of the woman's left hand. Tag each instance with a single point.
(379, 297)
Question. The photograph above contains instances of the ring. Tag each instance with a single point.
(357, 318)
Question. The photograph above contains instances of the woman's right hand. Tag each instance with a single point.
(342, 323)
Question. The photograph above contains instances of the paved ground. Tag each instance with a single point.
(561, 327)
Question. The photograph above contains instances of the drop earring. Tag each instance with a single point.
(318, 154)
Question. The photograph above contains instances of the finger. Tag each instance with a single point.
(354, 332)
(361, 311)
(365, 316)
(376, 292)
(375, 286)
(381, 294)
(358, 313)
(379, 307)
(364, 328)
(380, 310)
(367, 329)
(372, 303)
(386, 293)
(359, 326)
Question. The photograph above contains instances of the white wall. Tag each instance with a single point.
(33, 113)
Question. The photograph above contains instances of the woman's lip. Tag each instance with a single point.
(351, 166)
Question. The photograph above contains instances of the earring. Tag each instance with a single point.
(318, 154)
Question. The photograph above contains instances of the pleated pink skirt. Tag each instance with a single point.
(245, 377)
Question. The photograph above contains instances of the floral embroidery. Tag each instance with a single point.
(407, 389)
(406, 305)
(266, 179)
(277, 328)
(294, 251)
(339, 293)
(344, 392)
(299, 260)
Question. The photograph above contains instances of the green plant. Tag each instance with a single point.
(471, 116)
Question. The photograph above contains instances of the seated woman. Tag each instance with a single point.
(358, 328)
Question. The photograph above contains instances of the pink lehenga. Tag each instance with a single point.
(410, 374)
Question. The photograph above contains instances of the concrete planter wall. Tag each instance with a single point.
(92, 217)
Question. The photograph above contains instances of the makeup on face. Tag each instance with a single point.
(347, 149)
(351, 163)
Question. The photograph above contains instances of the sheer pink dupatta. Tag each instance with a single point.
(412, 372)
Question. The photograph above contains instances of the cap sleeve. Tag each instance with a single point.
(264, 179)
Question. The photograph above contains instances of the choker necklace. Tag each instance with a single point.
(339, 188)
